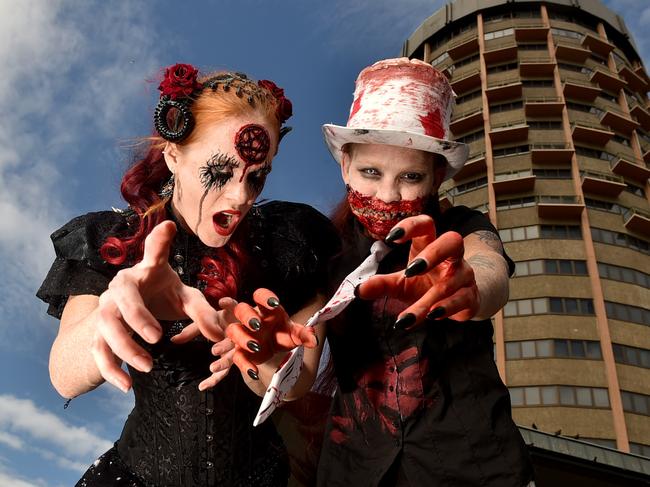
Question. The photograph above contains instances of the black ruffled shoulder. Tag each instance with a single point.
(291, 245)
(78, 267)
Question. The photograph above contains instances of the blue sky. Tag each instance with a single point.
(78, 85)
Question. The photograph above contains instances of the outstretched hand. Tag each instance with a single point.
(264, 330)
(136, 299)
(438, 282)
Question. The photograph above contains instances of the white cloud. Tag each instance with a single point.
(9, 478)
(75, 71)
(23, 423)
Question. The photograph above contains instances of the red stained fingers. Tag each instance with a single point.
(244, 339)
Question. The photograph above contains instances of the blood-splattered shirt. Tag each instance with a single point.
(419, 407)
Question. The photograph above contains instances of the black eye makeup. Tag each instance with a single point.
(369, 172)
(257, 178)
(218, 170)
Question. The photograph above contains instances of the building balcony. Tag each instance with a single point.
(634, 81)
(641, 114)
(637, 221)
(509, 132)
(465, 121)
(474, 165)
(533, 31)
(536, 67)
(646, 154)
(640, 71)
(618, 120)
(591, 134)
(463, 46)
(543, 106)
(551, 153)
(602, 183)
(498, 52)
(631, 168)
(580, 89)
(504, 90)
(597, 45)
(514, 182)
(467, 81)
(446, 200)
(568, 51)
(607, 80)
(559, 207)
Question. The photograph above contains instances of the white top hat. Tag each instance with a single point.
(401, 102)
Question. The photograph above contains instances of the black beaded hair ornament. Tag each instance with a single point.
(173, 117)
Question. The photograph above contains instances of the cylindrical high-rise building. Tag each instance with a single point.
(552, 100)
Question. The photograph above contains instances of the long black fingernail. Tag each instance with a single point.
(273, 302)
(418, 266)
(253, 375)
(255, 324)
(404, 321)
(436, 313)
(394, 234)
(253, 346)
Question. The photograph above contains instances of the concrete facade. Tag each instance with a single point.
(552, 100)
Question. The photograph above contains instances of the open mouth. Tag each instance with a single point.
(225, 222)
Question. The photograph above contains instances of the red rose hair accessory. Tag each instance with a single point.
(176, 88)
(179, 87)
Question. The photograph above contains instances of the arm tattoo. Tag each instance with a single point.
(490, 239)
(480, 261)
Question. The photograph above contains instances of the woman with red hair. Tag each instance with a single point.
(155, 286)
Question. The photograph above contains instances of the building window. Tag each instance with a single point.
(516, 203)
(545, 125)
(539, 306)
(608, 96)
(469, 96)
(624, 354)
(501, 68)
(571, 232)
(640, 449)
(504, 107)
(552, 173)
(537, 83)
(439, 59)
(626, 312)
(576, 68)
(635, 190)
(623, 274)
(510, 151)
(634, 402)
(605, 206)
(595, 154)
(473, 137)
(469, 186)
(620, 239)
(551, 266)
(621, 140)
(583, 349)
(566, 33)
(533, 47)
(585, 108)
(497, 34)
(593, 397)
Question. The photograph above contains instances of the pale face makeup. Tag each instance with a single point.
(214, 186)
(388, 183)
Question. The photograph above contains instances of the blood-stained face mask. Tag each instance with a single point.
(387, 184)
(378, 217)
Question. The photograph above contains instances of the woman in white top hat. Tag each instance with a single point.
(419, 400)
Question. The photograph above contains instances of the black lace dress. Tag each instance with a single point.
(177, 435)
